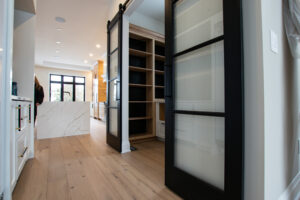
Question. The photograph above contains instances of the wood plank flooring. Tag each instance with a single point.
(85, 168)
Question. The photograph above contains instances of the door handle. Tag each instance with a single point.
(168, 83)
(29, 110)
(19, 118)
(118, 90)
(22, 155)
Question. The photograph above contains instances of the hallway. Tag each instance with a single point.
(86, 168)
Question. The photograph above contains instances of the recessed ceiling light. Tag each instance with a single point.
(60, 19)
(98, 46)
(57, 51)
(91, 55)
(1, 49)
(85, 61)
(58, 42)
(59, 29)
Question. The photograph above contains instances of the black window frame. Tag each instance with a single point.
(62, 83)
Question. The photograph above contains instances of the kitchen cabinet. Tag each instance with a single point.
(21, 136)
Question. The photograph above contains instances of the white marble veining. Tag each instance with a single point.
(60, 119)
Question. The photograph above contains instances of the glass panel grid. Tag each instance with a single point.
(113, 94)
(199, 80)
(68, 92)
(113, 73)
(68, 78)
(68, 84)
(79, 80)
(114, 38)
(55, 91)
(199, 147)
(55, 78)
(197, 21)
(79, 95)
(113, 121)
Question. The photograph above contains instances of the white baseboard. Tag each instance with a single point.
(125, 147)
(292, 192)
(160, 139)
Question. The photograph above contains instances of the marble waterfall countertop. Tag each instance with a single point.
(60, 119)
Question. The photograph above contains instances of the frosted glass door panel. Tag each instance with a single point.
(113, 65)
(197, 21)
(113, 94)
(199, 147)
(114, 38)
(199, 79)
(113, 121)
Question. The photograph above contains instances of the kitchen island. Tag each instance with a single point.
(61, 119)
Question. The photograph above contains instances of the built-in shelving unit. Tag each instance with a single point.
(159, 69)
(146, 81)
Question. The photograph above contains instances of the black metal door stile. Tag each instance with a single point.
(185, 184)
(112, 140)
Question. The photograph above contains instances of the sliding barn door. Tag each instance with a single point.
(114, 74)
(204, 100)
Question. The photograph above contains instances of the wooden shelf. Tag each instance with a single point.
(139, 53)
(145, 50)
(140, 101)
(159, 57)
(159, 72)
(159, 100)
(139, 85)
(139, 69)
(140, 118)
(138, 136)
(159, 43)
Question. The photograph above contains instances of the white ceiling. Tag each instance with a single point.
(153, 8)
(85, 27)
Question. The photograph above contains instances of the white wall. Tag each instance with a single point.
(254, 98)
(6, 38)
(114, 8)
(2, 149)
(43, 74)
(23, 53)
(125, 87)
(149, 23)
(280, 145)
(269, 138)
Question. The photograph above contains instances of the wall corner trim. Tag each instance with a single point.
(292, 192)
(125, 147)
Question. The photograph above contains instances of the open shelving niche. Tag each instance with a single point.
(146, 81)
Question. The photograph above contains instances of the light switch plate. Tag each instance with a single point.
(299, 146)
(274, 42)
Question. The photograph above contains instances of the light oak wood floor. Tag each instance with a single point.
(85, 168)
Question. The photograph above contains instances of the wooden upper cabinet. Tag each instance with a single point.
(98, 74)
(101, 83)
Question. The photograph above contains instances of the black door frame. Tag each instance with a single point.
(184, 184)
(113, 141)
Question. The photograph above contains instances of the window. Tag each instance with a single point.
(67, 88)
